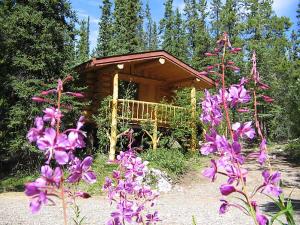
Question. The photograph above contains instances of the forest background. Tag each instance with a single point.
(41, 41)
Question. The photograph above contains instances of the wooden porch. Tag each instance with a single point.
(157, 75)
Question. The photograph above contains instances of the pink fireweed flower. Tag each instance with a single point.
(235, 174)
(38, 193)
(53, 177)
(36, 132)
(82, 170)
(263, 152)
(38, 190)
(126, 188)
(271, 183)
(152, 218)
(211, 111)
(212, 171)
(53, 144)
(76, 136)
(260, 218)
(243, 130)
(214, 142)
(224, 207)
(238, 94)
(52, 114)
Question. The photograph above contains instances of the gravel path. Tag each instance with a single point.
(194, 196)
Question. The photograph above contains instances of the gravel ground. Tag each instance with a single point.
(194, 196)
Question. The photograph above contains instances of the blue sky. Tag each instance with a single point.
(90, 8)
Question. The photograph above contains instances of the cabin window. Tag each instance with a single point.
(128, 90)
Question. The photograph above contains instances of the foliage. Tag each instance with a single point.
(292, 150)
(127, 36)
(172, 161)
(36, 43)
(104, 40)
(83, 45)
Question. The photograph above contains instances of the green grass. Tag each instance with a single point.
(16, 183)
(172, 161)
(102, 170)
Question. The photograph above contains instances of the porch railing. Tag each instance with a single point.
(139, 111)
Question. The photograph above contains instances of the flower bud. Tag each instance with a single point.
(227, 189)
(39, 99)
(208, 54)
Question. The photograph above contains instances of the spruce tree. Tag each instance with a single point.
(151, 30)
(179, 38)
(202, 38)
(154, 42)
(167, 27)
(127, 24)
(83, 50)
(191, 24)
(104, 40)
(36, 49)
(215, 16)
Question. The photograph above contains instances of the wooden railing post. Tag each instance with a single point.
(114, 122)
(154, 136)
(193, 122)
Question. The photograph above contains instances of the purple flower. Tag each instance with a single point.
(55, 145)
(271, 183)
(36, 132)
(227, 189)
(238, 94)
(211, 111)
(263, 155)
(52, 114)
(235, 174)
(81, 170)
(152, 218)
(214, 142)
(37, 190)
(244, 130)
(53, 177)
(212, 171)
(224, 207)
(76, 136)
(261, 219)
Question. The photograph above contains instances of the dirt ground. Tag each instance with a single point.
(194, 196)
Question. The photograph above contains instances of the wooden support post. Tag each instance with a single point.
(114, 122)
(193, 122)
(154, 136)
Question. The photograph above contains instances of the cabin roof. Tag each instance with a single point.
(170, 69)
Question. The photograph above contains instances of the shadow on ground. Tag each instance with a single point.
(270, 207)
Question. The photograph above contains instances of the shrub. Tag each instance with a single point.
(293, 150)
(171, 161)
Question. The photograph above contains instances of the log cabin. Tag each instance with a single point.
(156, 75)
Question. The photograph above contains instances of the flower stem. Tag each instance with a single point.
(62, 179)
(252, 211)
